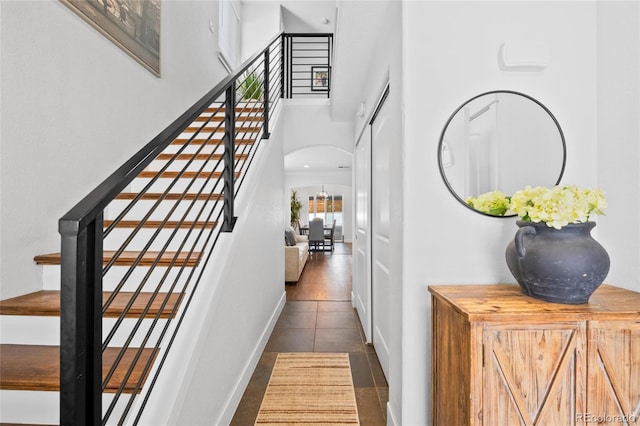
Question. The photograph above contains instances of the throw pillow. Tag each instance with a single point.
(291, 239)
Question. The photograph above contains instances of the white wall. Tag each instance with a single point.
(450, 52)
(247, 307)
(260, 22)
(1, 109)
(75, 107)
(308, 123)
(234, 310)
(619, 138)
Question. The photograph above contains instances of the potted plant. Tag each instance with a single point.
(296, 207)
(553, 255)
(251, 86)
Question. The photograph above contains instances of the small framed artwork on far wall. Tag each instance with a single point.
(320, 76)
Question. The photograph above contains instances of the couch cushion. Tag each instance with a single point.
(301, 238)
(302, 250)
(295, 258)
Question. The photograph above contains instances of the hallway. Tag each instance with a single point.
(318, 317)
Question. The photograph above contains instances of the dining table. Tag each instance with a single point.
(304, 230)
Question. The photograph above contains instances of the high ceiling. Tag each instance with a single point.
(356, 37)
(355, 25)
(309, 16)
(318, 159)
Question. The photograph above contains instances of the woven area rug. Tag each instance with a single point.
(310, 388)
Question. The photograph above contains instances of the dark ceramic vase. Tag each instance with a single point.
(557, 265)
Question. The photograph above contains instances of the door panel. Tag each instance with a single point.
(382, 135)
(614, 376)
(361, 245)
(535, 374)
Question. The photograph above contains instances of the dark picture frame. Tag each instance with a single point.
(132, 25)
(320, 78)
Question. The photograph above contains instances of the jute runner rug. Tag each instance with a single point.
(310, 388)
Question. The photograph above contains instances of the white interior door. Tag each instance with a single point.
(383, 133)
(362, 246)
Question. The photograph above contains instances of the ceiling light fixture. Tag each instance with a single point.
(322, 194)
(324, 21)
(306, 166)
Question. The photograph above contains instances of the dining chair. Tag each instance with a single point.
(329, 235)
(316, 233)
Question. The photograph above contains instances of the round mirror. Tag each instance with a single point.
(500, 141)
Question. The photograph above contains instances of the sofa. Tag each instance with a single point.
(296, 252)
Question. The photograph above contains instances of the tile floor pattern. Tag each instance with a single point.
(321, 326)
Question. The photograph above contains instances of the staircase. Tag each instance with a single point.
(89, 347)
(156, 234)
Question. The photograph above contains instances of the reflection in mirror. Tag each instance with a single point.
(500, 141)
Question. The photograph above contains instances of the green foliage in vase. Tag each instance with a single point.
(558, 206)
(495, 203)
(296, 207)
(251, 86)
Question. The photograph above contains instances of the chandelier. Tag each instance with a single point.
(322, 194)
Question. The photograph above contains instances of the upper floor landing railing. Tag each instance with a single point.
(308, 60)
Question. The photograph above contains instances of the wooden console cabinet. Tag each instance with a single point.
(502, 358)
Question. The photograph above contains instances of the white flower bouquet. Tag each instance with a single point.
(495, 203)
(558, 206)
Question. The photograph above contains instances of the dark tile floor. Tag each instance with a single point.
(319, 318)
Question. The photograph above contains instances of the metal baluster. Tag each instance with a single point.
(229, 145)
(265, 133)
(81, 322)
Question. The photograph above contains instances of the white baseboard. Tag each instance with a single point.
(234, 399)
(391, 417)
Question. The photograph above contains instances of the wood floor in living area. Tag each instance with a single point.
(318, 317)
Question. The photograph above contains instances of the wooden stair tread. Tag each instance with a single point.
(127, 258)
(37, 367)
(208, 129)
(210, 141)
(254, 118)
(172, 174)
(251, 117)
(218, 127)
(168, 197)
(253, 107)
(170, 224)
(47, 303)
(200, 157)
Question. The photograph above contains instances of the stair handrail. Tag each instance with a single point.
(81, 230)
(87, 209)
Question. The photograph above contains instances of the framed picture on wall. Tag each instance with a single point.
(132, 25)
(320, 76)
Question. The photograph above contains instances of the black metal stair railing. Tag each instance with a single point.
(307, 65)
(138, 243)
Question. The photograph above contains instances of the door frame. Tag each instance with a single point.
(368, 326)
(363, 299)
